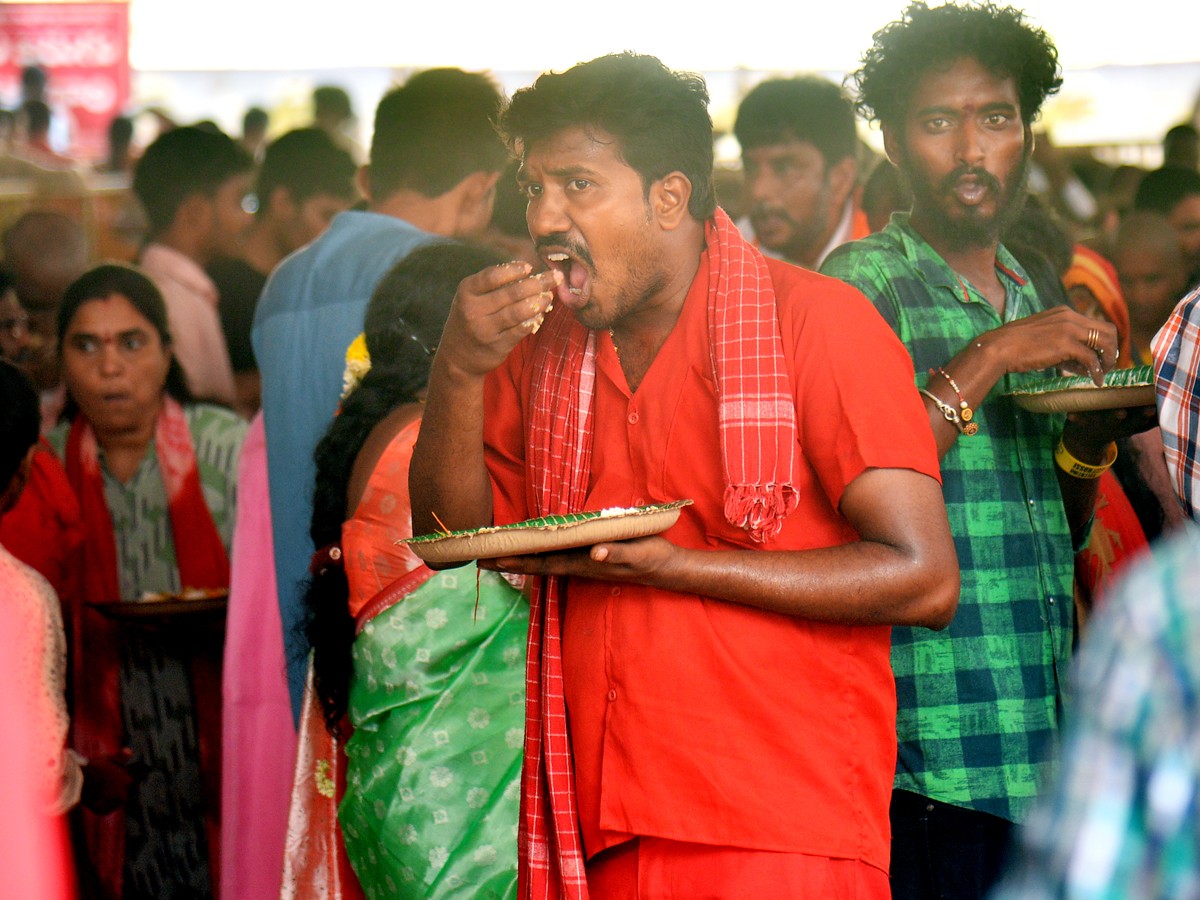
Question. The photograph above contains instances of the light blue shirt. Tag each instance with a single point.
(311, 309)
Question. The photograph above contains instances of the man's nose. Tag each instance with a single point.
(546, 214)
(970, 147)
(760, 186)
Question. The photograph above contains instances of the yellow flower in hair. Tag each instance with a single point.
(358, 364)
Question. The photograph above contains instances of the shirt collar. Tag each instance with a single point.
(937, 272)
(841, 234)
(169, 262)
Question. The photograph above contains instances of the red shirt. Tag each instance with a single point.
(700, 720)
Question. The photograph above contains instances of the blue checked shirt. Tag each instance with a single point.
(1123, 819)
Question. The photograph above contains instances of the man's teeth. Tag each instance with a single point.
(558, 257)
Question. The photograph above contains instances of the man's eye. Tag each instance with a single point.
(996, 119)
(580, 184)
(531, 190)
(134, 342)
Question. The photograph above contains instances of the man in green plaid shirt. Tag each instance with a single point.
(955, 89)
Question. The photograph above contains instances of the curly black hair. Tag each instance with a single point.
(659, 116)
(1000, 38)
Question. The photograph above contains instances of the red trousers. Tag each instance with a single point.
(659, 869)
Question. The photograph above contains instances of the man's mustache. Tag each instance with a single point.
(983, 176)
(761, 210)
(562, 241)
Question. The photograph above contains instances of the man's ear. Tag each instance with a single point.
(891, 146)
(195, 214)
(363, 179)
(477, 196)
(280, 204)
(842, 177)
(669, 197)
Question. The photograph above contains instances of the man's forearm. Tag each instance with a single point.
(448, 478)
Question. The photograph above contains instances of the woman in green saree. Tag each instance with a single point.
(427, 667)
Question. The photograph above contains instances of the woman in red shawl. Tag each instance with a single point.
(155, 477)
(1117, 535)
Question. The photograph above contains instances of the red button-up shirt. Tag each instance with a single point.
(701, 720)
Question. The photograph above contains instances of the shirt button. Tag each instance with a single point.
(633, 418)
(616, 592)
(612, 695)
(1051, 601)
(639, 501)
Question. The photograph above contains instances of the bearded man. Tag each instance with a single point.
(956, 89)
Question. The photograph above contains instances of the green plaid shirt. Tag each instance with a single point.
(978, 703)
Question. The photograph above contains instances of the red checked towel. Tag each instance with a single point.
(758, 444)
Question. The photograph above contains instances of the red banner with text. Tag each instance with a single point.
(83, 49)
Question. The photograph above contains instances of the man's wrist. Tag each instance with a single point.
(1087, 469)
(1085, 451)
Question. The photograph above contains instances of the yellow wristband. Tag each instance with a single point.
(1077, 469)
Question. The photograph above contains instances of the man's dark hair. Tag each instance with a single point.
(37, 116)
(180, 163)
(1162, 190)
(807, 108)
(120, 130)
(255, 119)
(331, 101)
(433, 131)
(20, 420)
(999, 38)
(659, 117)
(307, 163)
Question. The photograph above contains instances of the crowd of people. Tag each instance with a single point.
(909, 636)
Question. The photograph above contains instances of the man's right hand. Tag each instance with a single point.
(1056, 337)
(493, 311)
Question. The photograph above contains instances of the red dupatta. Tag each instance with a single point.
(203, 563)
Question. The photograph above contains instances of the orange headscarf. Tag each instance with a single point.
(1091, 270)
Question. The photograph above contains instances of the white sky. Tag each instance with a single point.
(691, 34)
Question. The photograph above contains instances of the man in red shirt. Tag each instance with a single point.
(731, 705)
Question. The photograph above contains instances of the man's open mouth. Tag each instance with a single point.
(575, 277)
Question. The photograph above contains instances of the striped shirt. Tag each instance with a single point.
(1177, 382)
(980, 702)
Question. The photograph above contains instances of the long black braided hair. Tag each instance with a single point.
(403, 325)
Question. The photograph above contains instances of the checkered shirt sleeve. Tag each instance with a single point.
(1176, 350)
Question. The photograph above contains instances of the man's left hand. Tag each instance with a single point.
(642, 560)
(1088, 434)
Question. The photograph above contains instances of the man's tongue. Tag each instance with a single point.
(570, 292)
(970, 191)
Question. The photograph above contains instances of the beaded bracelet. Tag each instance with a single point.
(951, 414)
(966, 413)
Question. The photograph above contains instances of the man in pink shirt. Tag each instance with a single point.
(192, 183)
